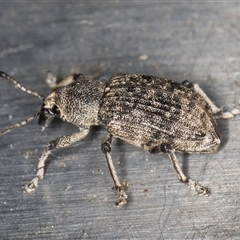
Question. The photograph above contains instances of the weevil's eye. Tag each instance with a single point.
(44, 117)
(47, 111)
(56, 111)
(46, 114)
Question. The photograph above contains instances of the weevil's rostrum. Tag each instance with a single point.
(156, 114)
(158, 111)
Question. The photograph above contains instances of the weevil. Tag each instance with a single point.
(156, 114)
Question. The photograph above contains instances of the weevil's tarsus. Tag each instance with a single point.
(9, 129)
(51, 80)
(118, 188)
(6, 76)
(194, 185)
(199, 188)
(122, 196)
(59, 142)
(236, 110)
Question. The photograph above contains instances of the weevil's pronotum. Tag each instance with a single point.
(156, 114)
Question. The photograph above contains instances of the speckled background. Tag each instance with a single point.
(198, 41)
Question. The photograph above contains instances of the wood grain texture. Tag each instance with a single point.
(179, 40)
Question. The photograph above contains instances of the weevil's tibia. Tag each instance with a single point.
(4, 75)
(9, 129)
(118, 188)
(200, 189)
(216, 111)
(59, 142)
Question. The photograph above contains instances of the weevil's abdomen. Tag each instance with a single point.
(147, 111)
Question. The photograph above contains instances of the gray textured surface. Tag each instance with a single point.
(195, 41)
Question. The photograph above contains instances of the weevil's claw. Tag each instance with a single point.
(31, 186)
(122, 196)
(200, 189)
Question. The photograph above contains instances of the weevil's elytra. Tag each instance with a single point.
(156, 114)
(160, 112)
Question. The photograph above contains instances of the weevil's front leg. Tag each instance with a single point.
(60, 142)
(118, 188)
(200, 189)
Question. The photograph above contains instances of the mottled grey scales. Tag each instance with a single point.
(158, 111)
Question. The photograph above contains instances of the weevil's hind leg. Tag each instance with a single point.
(216, 111)
(60, 142)
(118, 188)
(200, 189)
(214, 108)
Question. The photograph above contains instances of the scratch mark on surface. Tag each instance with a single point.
(15, 49)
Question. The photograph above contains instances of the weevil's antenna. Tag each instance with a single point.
(4, 75)
(9, 129)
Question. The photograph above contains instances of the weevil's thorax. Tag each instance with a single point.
(76, 100)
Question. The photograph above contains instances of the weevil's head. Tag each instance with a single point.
(61, 102)
(48, 111)
(75, 99)
(49, 108)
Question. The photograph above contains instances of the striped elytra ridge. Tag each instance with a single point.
(148, 111)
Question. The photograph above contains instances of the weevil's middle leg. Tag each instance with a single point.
(60, 142)
(200, 189)
(118, 188)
